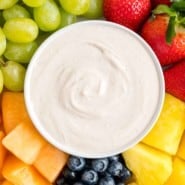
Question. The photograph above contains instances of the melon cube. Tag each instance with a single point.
(150, 166)
(50, 162)
(181, 150)
(24, 142)
(168, 130)
(178, 175)
(13, 110)
(2, 152)
(20, 173)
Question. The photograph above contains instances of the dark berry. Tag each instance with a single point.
(120, 183)
(78, 183)
(60, 181)
(76, 163)
(89, 177)
(106, 181)
(125, 175)
(69, 174)
(100, 165)
(114, 158)
(115, 168)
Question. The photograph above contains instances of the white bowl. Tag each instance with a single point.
(94, 89)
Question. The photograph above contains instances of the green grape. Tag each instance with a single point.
(21, 30)
(13, 75)
(15, 11)
(2, 20)
(34, 3)
(2, 42)
(4, 4)
(20, 52)
(47, 16)
(76, 7)
(66, 18)
(1, 81)
(95, 9)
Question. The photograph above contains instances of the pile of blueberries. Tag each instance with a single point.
(102, 171)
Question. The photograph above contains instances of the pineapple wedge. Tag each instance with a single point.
(167, 132)
(150, 166)
(181, 150)
(178, 175)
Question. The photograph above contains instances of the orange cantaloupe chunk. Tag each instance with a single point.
(178, 174)
(2, 152)
(13, 110)
(20, 173)
(5, 182)
(181, 149)
(50, 162)
(24, 142)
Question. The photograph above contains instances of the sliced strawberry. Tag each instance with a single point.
(175, 80)
(130, 13)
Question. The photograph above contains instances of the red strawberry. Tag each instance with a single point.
(154, 32)
(157, 2)
(175, 80)
(130, 13)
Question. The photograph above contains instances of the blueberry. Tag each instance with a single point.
(69, 174)
(89, 177)
(76, 163)
(100, 165)
(125, 175)
(78, 183)
(114, 158)
(120, 183)
(60, 181)
(106, 181)
(115, 168)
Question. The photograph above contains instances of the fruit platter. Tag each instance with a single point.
(27, 158)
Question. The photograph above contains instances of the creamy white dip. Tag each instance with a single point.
(94, 89)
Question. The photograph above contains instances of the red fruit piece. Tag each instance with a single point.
(175, 80)
(130, 13)
(154, 32)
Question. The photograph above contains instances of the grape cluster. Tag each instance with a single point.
(102, 171)
(25, 24)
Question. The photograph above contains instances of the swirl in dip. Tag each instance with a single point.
(94, 89)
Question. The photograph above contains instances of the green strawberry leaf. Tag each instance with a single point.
(164, 9)
(178, 6)
(171, 29)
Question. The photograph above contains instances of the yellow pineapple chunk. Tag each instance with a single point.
(181, 150)
(150, 166)
(178, 175)
(167, 132)
(24, 142)
(20, 173)
(50, 162)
